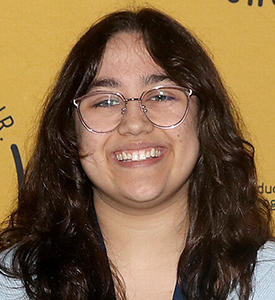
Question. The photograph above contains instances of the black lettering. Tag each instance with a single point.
(272, 204)
(250, 2)
(18, 163)
(264, 189)
(261, 188)
(261, 2)
(7, 122)
(2, 108)
(270, 190)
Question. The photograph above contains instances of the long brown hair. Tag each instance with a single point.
(54, 234)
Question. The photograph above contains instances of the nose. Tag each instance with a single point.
(134, 121)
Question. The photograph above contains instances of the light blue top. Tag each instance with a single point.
(264, 275)
(263, 279)
(10, 288)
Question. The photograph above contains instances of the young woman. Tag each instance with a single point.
(141, 185)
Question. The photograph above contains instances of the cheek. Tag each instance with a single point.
(91, 148)
(85, 140)
(80, 136)
(86, 146)
(188, 142)
(91, 162)
(86, 150)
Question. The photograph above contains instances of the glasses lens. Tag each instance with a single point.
(101, 112)
(166, 106)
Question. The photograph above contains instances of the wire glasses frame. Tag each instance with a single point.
(187, 92)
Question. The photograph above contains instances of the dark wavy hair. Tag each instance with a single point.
(54, 234)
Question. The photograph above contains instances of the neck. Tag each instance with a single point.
(135, 238)
(144, 247)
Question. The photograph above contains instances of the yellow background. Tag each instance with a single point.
(36, 36)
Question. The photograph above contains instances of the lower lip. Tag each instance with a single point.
(142, 163)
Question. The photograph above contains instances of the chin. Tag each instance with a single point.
(144, 200)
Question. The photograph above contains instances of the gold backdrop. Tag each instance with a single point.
(36, 36)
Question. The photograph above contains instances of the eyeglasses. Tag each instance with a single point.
(164, 106)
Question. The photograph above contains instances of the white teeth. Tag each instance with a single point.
(138, 155)
(119, 157)
(142, 155)
(135, 156)
(124, 156)
(129, 156)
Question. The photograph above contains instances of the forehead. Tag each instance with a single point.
(123, 45)
(126, 55)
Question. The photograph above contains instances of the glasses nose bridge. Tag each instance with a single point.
(139, 99)
(133, 99)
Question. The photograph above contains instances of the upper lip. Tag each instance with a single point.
(136, 146)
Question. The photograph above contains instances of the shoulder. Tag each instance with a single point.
(264, 274)
(10, 287)
(263, 284)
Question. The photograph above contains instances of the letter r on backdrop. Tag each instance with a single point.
(7, 122)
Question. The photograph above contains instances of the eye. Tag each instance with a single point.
(162, 97)
(107, 103)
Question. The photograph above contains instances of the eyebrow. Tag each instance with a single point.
(106, 82)
(145, 80)
(154, 78)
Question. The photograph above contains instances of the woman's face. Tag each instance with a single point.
(157, 181)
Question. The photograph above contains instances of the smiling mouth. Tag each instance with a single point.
(128, 156)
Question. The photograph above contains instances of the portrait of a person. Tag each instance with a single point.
(141, 184)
